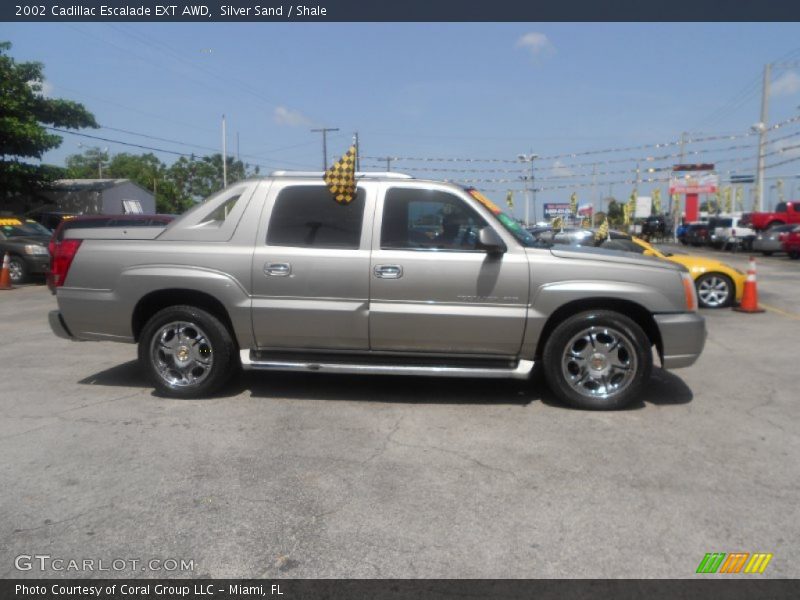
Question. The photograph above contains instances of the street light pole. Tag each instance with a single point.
(529, 182)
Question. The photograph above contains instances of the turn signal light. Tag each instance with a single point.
(690, 292)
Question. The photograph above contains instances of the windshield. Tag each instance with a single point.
(18, 228)
(510, 224)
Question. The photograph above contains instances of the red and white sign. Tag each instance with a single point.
(694, 183)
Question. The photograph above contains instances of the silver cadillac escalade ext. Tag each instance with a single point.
(412, 277)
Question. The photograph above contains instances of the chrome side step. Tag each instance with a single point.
(521, 371)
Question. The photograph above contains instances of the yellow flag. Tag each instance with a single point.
(602, 231)
(510, 199)
(739, 198)
(341, 177)
(657, 201)
(728, 200)
(558, 223)
(573, 204)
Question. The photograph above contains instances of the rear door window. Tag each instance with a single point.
(307, 216)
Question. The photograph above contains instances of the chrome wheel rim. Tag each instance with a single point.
(599, 362)
(713, 291)
(182, 354)
(14, 270)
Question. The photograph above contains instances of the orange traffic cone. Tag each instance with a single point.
(750, 297)
(5, 279)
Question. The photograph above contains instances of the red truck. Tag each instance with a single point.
(791, 243)
(786, 213)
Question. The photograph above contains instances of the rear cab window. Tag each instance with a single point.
(307, 216)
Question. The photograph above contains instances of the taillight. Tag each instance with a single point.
(62, 255)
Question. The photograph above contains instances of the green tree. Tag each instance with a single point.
(25, 113)
(615, 213)
(92, 164)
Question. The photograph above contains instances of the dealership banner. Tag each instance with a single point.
(551, 210)
(694, 183)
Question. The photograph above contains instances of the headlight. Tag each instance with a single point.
(690, 292)
(35, 249)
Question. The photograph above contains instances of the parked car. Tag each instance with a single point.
(770, 241)
(656, 227)
(274, 274)
(698, 234)
(92, 221)
(785, 213)
(791, 243)
(25, 241)
(50, 218)
(718, 285)
(728, 231)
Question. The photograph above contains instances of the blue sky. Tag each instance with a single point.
(436, 90)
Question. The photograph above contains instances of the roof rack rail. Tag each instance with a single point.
(359, 174)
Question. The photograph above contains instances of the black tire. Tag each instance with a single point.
(17, 269)
(209, 350)
(575, 382)
(715, 281)
(794, 254)
(767, 253)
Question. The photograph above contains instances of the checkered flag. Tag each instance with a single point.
(341, 177)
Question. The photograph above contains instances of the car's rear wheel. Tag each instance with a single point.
(765, 253)
(794, 254)
(187, 352)
(714, 290)
(17, 270)
(597, 360)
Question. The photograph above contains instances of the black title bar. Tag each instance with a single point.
(405, 10)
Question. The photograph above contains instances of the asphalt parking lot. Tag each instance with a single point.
(322, 476)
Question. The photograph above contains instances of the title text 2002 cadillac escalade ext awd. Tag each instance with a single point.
(412, 277)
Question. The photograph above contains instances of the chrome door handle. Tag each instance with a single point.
(278, 269)
(388, 271)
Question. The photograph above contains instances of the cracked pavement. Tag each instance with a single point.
(292, 475)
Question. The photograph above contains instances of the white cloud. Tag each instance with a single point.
(786, 85)
(536, 43)
(288, 116)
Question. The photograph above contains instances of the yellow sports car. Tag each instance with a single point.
(718, 285)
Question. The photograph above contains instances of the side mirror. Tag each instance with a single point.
(490, 241)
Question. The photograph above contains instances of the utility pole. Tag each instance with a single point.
(324, 131)
(224, 155)
(762, 135)
(388, 160)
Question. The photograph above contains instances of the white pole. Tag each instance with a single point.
(224, 156)
(762, 135)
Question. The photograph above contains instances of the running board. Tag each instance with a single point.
(522, 369)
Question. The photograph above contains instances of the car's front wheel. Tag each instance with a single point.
(187, 352)
(597, 360)
(714, 290)
(17, 270)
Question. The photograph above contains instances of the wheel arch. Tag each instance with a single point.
(151, 303)
(636, 312)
